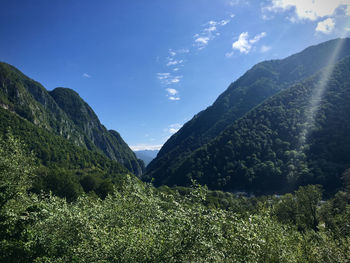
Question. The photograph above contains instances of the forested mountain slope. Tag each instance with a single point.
(278, 145)
(256, 85)
(63, 113)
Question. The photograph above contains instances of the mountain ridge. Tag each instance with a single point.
(63, 112)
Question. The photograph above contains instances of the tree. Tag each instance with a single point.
(346, 180)
(307, 200)
(16, 173)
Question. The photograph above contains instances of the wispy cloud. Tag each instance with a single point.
(326, 26)
(168, 79)
(257, 38)
(265, 49)
(175, 79)
(174, 52)
(176, 58)
(173, 128)
(142, 147)
(173, 62)
(162, 76)
(244, 44)
(172, 91)
(229, 54)
(173, 94)
(85, 75)
(209, 32)
(202, 41)
(236, 2)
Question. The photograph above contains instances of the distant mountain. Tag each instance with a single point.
(146, 155)
(184, 156)
(62, 112)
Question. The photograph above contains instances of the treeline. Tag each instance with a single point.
(139, 223)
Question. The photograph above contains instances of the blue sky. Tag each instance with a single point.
(147, 67)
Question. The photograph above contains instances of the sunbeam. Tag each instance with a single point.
(317, 95)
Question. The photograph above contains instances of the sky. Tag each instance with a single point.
(147, 67)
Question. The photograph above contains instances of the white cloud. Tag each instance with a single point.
(142, 147)
(202, 40)
(168, 79)
(265, 48)
(244, 44)
(162, 76)
(173, 128)
(211, 29)
(176, 79)
(172, 91)
(176, 69)
(229, 54)
(307, 9)
(326, 26)
(172, 52)
(85, 75)
(257, 38)
(224, 22)
(174, 62)
(237, 2)
(174, 98)
(209, 32)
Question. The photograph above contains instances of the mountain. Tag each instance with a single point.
(228, 115)
(259, 83)
(62, 112)
(146, 155)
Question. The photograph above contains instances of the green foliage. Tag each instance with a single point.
(300, 209)
(16, 175)
(138, 223)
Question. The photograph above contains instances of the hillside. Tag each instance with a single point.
(277, 146)
(256, 85)
(62, 112)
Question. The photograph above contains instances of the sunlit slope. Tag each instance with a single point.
(62, 112)
(261, 152)
(256, 85)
